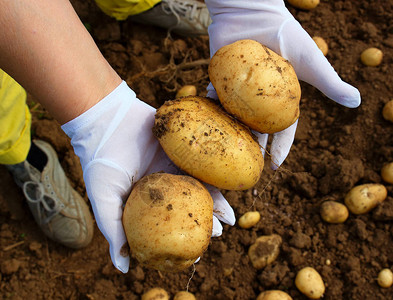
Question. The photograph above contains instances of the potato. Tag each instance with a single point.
(265, 250)
(304, 4)
(322, 45)
(256, 85)
(334, 212)
(187, 90)
(371, 57)
(274, 295)
(310, 283)
(385, 278)
(387, 111)
(183, 295)
(363, 198)
(155, 294)
(249, 219)
(168, 221)
(387, 173)
(208, 144)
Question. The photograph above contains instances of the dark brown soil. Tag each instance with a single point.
(335, 149)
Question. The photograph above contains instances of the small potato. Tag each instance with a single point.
(322, 45)
(363, 198)
(265, 250)
(371, 57)
(334, 212)
(183, 295)
(385, 278)
(168, 221)
(155, 294)
(387, 111)
(208, 144)
(187, 90)
(387, 172)
(304, 4)
(274, 295)
(256, 85)
(249, 219)
(310, 283)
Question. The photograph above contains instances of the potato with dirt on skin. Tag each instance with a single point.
(208, 144)
(168, 221)
(304, 4)
(387, 173)
(334, 212)
(310, 283)
(363, 198)
(265, 250)
(387, 111)
(256, 85)
(155, 294)
(274, 295)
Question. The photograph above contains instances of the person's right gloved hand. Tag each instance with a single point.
(270, 23)
(116, 147)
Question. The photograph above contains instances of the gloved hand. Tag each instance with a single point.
(116, 147)
(270, 23)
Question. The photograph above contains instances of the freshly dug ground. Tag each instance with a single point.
(335, 149)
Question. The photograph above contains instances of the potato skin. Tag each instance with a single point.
(168, 221)
(205, 142)
(363, 198)
(256, 85)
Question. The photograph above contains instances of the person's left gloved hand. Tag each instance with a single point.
(116, 147)
(270, 23)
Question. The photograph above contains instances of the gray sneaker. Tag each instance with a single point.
(184, 17)
(58, 209)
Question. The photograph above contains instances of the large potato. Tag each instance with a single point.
(168, 221)
(207, 143)
(363, 198)
(256, 85)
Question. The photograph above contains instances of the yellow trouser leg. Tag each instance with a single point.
(15, 121)
(122, 9)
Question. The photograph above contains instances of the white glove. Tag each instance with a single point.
(270, 23)
(116, 147)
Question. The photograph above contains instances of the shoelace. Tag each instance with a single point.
(44, 201)
(184, 9)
